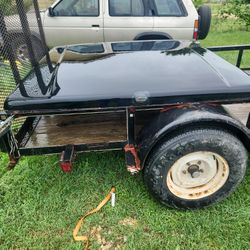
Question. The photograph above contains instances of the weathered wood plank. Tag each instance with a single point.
(247, 71)
(100, 128)
(239, 111)
(62, 130)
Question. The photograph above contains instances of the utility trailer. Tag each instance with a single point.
(179, 111)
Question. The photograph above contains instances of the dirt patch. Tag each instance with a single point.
(95, 233)
(128, 222)
(118, 243)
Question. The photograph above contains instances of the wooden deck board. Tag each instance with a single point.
(63, 130)
(247, 71)
(101, 128)
(239, 111)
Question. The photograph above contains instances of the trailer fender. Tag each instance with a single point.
(171, 120)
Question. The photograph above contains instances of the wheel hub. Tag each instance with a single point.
(194, 171)
(197, 175)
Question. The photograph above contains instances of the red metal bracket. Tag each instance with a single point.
(12, 162)
(66, 160)
(179, 106)
(132, 159)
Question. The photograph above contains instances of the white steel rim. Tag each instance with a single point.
(197, 175)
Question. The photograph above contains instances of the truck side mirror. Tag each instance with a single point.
(51, 11)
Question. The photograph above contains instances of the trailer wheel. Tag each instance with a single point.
(196, 168)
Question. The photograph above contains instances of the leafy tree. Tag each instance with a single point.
(239, 9)
(9, 7)
(198, 3)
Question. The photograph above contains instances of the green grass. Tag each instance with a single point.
(40, 205)
(228, 32)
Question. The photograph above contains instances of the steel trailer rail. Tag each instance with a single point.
(239, 48)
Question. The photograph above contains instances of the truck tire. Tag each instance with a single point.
(204, 21)
(21, 51)
(195, 168)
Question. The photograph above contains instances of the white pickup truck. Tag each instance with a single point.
(88, 21)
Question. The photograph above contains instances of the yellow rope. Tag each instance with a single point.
(80, 222)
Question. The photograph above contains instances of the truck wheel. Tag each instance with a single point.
(21, 51)
(204, 21)
(196, 168)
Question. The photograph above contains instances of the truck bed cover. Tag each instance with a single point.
(120, 78)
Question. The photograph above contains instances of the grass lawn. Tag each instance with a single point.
(228, 32)
(40, 205)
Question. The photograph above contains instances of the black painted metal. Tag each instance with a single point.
(68, 154)
(189, 116)
(42, 35)
(229, 48)
(239, 58)
(190, 74)
(130, 126)
(75, 108)
(27, 36)
(78, 148)
(248, 121)
(8, 145)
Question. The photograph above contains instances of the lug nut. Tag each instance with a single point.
(195, 175)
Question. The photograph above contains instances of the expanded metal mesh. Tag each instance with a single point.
(22, 45)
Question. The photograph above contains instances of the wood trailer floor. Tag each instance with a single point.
(239, 111)
(98, 128)
(247, 71)
(78, 129)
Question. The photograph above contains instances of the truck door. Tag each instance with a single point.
(125, 19)
(74, 21)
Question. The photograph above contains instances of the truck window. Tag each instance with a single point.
(91, 48)
(77, 8)
(126, 8)
(145, 45)
(169, 8)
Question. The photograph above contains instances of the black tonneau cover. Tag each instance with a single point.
(149, 75)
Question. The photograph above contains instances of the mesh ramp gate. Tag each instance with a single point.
(22, 46)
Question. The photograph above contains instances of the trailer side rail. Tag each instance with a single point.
(239, 48)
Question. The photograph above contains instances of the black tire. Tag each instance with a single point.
(18, 45)
(219, 142)
(204, 21)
